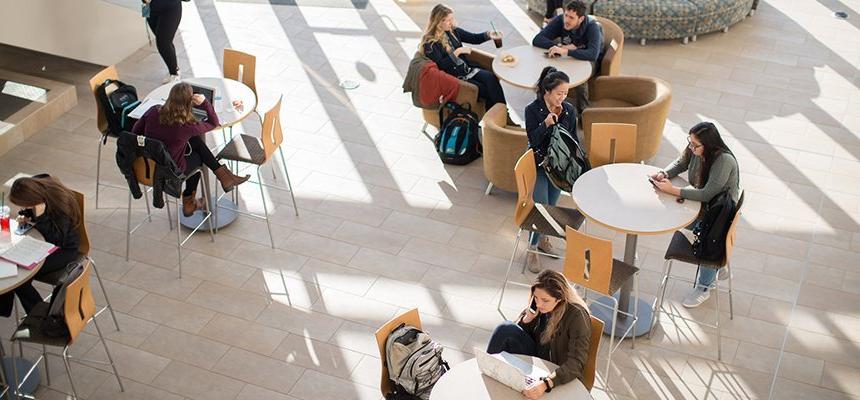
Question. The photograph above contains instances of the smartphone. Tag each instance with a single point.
(653, 182)
(23, 228)
(547, 55)
(533, 306)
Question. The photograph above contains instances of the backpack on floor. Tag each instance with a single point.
(414, 362)
(458, 139)
(117, 104)
(713, 225)
(565, 160)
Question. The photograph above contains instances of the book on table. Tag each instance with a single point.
(7, 269)
(28, 252)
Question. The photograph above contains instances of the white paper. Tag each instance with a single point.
(28, 251)
(144, 106)
(7, 269)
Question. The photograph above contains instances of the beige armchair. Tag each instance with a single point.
(468, 92)
(613, 46)
(640, 100)
(503, 146)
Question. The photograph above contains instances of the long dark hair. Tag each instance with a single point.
(712, 143)
(555, 285)
(59, 200)
(549, 79)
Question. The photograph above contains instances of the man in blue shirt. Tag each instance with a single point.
(577, 35)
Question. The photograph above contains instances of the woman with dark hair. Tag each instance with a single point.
(548, 109)
(53, 210)
(175, 125)
(443, 41)
(556, 327)
(164, 17)
(712, 169)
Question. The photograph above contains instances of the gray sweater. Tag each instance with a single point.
(724, 175)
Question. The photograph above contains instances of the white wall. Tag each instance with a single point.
(88, 30)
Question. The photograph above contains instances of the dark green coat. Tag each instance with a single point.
(569, 347)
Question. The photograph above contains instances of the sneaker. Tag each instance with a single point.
(545, 246)
(171, 78)
(723, 274)
(533, 262)
(696, 297)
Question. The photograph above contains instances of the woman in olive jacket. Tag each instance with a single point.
(556, 327)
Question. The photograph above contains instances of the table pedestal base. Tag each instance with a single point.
(29, 387)
(643, 324)
(225, 216)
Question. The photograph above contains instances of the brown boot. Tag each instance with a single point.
(190, 204)
(228, 179)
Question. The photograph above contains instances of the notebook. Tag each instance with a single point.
(144, 106)
(27, 252)
(7, 269)
(508, 369)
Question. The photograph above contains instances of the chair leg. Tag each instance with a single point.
(104, 292)
(128, 228)
(289, 184)
(667, 268)
(107, 352)
(265, 207)
(731, 305)
(611, 340)
(16, 385)
(489, 188)
(98, 171)
(206, 198)
(635, 311)
(424, 128)
(178, 237)
(716, 290)
(508, 272)
(146, 201)
(170, 217)
(47, 370)
(69, 371)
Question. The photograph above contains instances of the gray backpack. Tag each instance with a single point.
(414, 362)
(565, 160)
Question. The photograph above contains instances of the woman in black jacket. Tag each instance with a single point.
(550, 108)
(443, 43)
(164, 18)
(53, 210)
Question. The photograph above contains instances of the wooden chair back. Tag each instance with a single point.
(241, 67)
(588, 261)
(84, 247)
(410, 317)
(525, 173)
(80, 305)
(730, 235)
(272, 136)
(95, 82)
(593, 346)
(612, 143)
(139, 168)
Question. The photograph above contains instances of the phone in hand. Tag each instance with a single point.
(548, 55)
(533, 306)
(653, 182)
(23, 228)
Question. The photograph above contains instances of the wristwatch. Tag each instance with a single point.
(546, 382)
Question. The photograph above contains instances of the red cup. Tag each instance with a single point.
(4, 223)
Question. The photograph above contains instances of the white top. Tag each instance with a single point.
(620, 197)
(529, 61)
(226, 91)
(465, 381)
(24, 275)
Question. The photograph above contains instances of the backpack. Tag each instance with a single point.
(457, 141)
(565, 160)
(117, 105)
(712, 227)
(414, 362)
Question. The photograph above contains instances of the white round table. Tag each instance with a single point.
(465, 381)
(225, 92)
(620, 197)
(530, 61)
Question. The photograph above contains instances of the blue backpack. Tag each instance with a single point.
(458, 139)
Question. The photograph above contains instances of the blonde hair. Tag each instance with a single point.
(432, 34)
(555, 285)
(176, 111)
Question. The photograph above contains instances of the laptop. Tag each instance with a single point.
(207, 92)
(508, 369)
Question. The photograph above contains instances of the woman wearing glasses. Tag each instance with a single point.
(712, 169)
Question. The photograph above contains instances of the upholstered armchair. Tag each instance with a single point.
(613, 46)
(468, 93)
(503, 146)
(640, 100)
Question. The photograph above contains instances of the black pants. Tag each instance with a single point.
(200, 155)
(508, 336)
(551, 6)
(27, 294)
(489, 88)
(164, 26)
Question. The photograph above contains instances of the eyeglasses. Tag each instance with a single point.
(692, 145)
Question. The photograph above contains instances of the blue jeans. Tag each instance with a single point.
(508, 336)
(544, 193)
(707, 276)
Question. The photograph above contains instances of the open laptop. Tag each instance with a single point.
(508, 369)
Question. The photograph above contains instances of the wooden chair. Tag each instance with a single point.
(101, 122)
(530, 217)
(410, 317)
(589, 373)
(612, 143)
(258, 151)
(79, 309)
(588, 263)
(681, 249)
(241, 67)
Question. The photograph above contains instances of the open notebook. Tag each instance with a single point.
(27, 252)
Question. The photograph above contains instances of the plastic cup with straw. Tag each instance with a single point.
(4, 213)
(496, 36)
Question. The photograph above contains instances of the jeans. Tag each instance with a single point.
(707, 277)
(544, 193)
(508, 336)
(164, 26)
(200, 155)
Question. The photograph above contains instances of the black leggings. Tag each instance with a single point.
(164, 26)
(27, 294)
(551, 6)
(200, 155)
(489, 88)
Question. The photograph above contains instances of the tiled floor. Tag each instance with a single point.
(384, 226)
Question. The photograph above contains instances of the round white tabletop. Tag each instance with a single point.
(530, 60)
(225, 92)
(465, 381)
(620, 197)
(6, 239)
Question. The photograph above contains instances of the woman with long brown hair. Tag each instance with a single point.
(53, 210)
(555, 327)
(175, 125)
(443, 41)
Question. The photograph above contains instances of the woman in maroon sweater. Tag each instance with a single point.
(175, 125)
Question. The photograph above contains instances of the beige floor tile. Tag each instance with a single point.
(421, 227)
(172, 313)
(215, 269)
(841, 378)
(822, 347)
(439, 254)
(370, 237)
(177, 345)
(790, 390)
(252, 392)
(133, 391)
(243, 334)
(196, 383)
(132, 363)
(314, 385)
(800, 368)
(160, 281)
(318, 246)
(327, 275)
(230, 301)
(265, 258)
(317, 355)
(259, 370)
(391, 266)
(133, 331)
(362, 310)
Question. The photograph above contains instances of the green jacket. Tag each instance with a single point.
(569, 347)
(724, 175)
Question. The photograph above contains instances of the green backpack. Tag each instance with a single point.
(565, 160)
